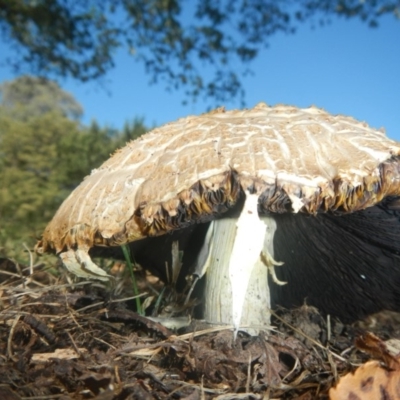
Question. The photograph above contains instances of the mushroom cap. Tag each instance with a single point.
(194, 169)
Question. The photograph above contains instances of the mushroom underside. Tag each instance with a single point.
(346, 265)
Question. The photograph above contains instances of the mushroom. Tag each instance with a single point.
(269, 179)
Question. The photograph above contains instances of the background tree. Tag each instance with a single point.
(30, 96)
(78, 38)
(44, 153)
(132, 130)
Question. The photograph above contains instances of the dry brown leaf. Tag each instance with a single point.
(374, 380)
(371, 381)
(378, 349)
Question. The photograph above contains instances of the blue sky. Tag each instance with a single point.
(345, 67)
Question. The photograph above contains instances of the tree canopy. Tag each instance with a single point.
(45, 152)
(30, 96)
(173, 38)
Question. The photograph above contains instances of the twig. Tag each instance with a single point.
(76, 348)
(248, 374)
(296, 364)
(10, 337)
(30, 259)
(328, 327)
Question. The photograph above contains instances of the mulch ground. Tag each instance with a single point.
(62, 339)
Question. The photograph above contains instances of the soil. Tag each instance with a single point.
(64, 339)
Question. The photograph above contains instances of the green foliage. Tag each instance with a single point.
(174, 39)
(68, 37)
(44, 154)
(30, 96)
(130, 263)
(131, 131)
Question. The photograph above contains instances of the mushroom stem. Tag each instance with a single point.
(237, 290)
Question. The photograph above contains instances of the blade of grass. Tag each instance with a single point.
(127, 255)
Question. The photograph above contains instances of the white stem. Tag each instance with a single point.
(237, 290)
(246, 252)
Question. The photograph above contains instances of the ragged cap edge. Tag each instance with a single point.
(203, 202)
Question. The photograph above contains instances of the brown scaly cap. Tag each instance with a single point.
(298, 160)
